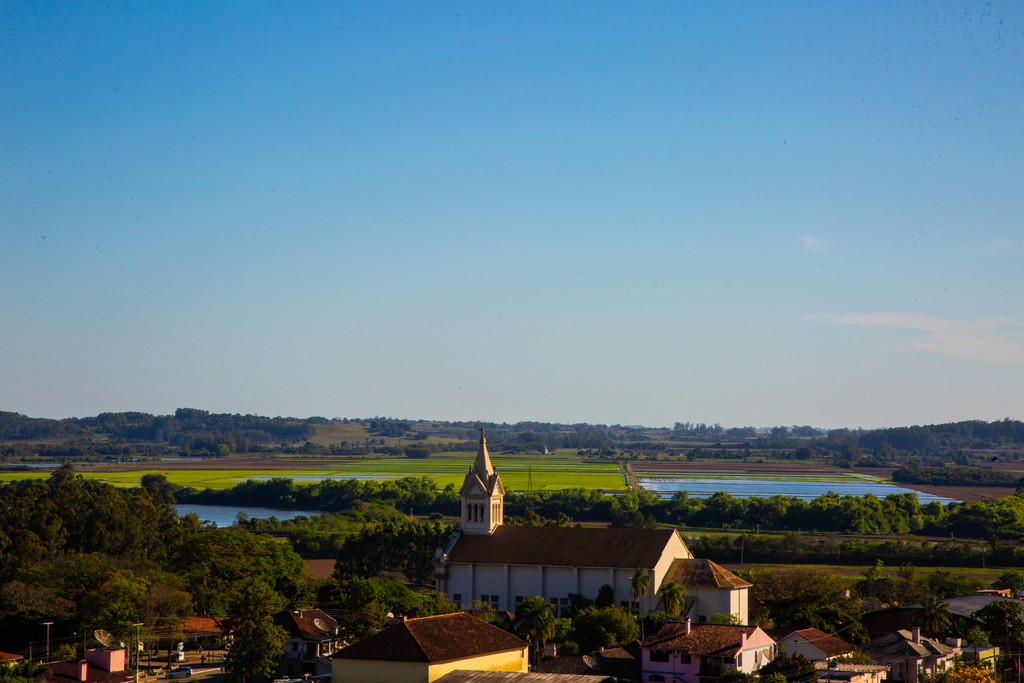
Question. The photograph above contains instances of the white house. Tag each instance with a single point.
(816, 645)
(490, 562)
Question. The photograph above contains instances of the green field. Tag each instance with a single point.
(547, 474)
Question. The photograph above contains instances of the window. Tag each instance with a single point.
(656, 678)
(684, 659)
(483, 598)
(659, 656)
(624, 604)
(519, 599)
(456, 597)
(564, 601)
(702, 619)
(494, 598)
(554, 601)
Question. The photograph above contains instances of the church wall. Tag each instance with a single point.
(621, 586)
(459, 585)
(558, 583)
(591, 580)
(523, 581)
(490, 581)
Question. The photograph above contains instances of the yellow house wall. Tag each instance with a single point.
(371, 671)
(516, 660)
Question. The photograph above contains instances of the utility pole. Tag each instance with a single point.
(48, 625)
(137, 641)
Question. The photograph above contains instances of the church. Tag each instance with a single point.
(491, 562)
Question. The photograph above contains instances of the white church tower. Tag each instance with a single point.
(482, 495)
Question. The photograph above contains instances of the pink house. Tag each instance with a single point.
(687, 653)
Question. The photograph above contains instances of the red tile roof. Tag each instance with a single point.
(554, 546)
(310, 624)
(829, 644)
(8, 657)
(703, 639)
(440, 638)
(202, 625)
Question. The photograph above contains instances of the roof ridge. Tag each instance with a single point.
(412, 633)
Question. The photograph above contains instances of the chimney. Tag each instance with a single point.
(686, 629)
(83, 670)
(743, 639)
(916, 631)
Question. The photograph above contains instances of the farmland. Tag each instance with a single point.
(550, 473)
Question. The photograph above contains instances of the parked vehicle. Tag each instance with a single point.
(180, 672)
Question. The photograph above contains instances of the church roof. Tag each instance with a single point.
(482, 475)
(554, 546)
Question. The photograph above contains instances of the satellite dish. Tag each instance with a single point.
(107, 640)
(319, 623)
(591, 662)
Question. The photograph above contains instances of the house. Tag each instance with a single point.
(834, 672)
(491, 562)
(309, 642)
(710, 589)
(688, 652)
(884, 621)
(424, 649)
(809, 642)
(618, 662)
(203, 632)
(911, 654)
(985, 656)
(99, 666)
(463, 676)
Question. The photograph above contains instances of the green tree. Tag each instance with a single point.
(605, 596)
(977, 637)
(800, 597)
(673, 596)
(1002, 618)
(593, 629)
(638, 585)
(535, 617)
(25, 671)
(935, 618)
(1010, 579)
(257, 640)
(726, 619)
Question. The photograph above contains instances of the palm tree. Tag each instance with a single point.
(673, 595)
(535, 617)
(935, 618)
(638, 585)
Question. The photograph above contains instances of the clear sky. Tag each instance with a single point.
(635, 213)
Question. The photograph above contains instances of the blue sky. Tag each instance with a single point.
(803, 213)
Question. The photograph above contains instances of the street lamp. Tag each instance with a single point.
(137, 639)
(48, 624)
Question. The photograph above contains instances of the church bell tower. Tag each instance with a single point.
(482, 495)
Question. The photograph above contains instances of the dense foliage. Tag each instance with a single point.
(188, 427)
(86, 555)
(954, 476)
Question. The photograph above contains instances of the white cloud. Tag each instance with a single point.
(997, 340)
(814, 244)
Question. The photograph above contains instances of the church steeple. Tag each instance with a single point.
(482, 493)
(482, 466)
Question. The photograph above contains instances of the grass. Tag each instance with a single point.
(547, 474)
